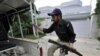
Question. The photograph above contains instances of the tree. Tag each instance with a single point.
(97, 12)
(97, 9)
(26, 26)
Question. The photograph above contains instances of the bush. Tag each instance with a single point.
(97, 12)
(98, 38)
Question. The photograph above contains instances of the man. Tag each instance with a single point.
(63, 29)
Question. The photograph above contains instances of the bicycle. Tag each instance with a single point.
(64, 48)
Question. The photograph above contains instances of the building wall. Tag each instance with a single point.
(67, 8)
(82, 27)
(75, 10)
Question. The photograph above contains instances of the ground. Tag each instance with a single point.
(86, 46)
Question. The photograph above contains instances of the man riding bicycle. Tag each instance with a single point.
(63, 29)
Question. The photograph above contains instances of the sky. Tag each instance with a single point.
(42, 3)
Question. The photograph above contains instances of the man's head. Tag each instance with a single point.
(56, 15)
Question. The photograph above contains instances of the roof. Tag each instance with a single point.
(10, 6)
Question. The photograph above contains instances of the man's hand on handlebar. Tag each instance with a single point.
(37, 27)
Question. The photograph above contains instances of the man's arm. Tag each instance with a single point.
(71, 33)
(49, 30)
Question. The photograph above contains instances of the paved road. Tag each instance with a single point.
(87, 46)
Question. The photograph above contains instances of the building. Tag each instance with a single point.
(74, 11)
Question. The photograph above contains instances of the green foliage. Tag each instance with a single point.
(97, 9)
(98, 38)
(26, 26)
(98, 22)
(97, 12)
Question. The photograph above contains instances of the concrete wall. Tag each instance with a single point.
(82, 27)
(94, 29)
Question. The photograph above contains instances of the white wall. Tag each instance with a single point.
(94, 30)
(82, 27)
